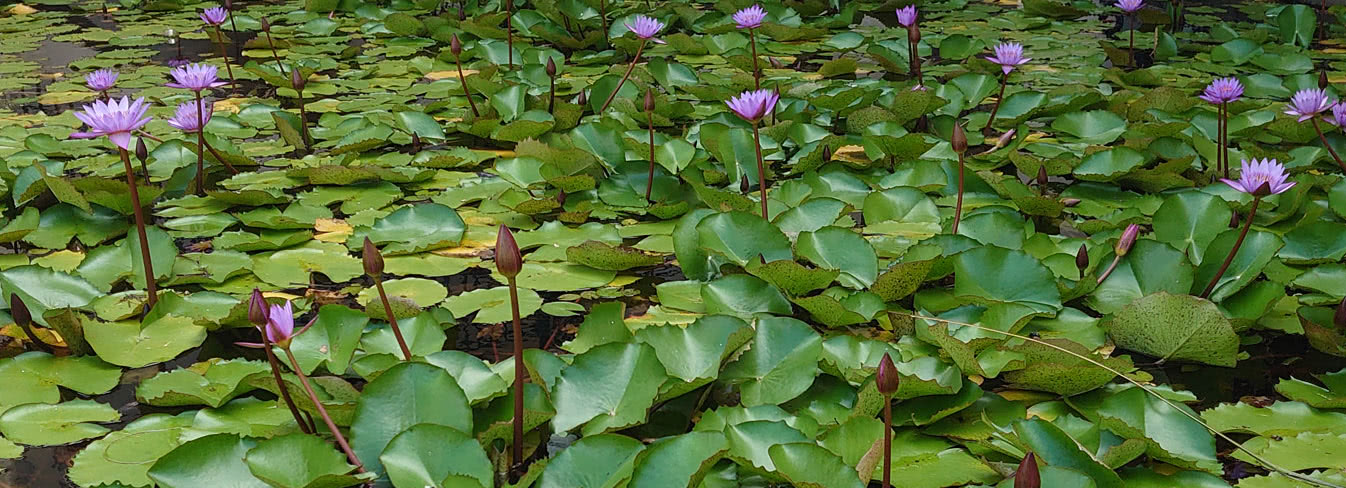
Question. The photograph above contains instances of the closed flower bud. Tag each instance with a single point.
(887, 379)
(743, 184)
(266, 26)
(297, 80)
(775, 63)
(257, 308)
(455, 45)
(649, 100)
(1070, 202)
(551, 67)
(416, 140)
(1233, 220)
(582, 99)
(1042, 176)
(373, 260)
(1339, 319)
(1027, 475)
(229, 5)
(142, 152)
(19, 311)
(508, 260)
(1127, 240)
(1322, 80)
(1082, 259)
(561, 197)
(959, 139)
(1005, 138)
(827, 153)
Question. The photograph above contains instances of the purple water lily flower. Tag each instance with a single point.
(1308, 102)
(187, 118)
(115, 119)
(101, 80)
(1259, 173)
(1222, 90)
(214, 15)
(750, 18)
(1130, 6)
(280, 323)
(645, 28)
(752, 105)
(195, 77)
(906, 15)
(1009, 55)
(1338, 117)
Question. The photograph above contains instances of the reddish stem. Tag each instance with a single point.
(887, 441)
(225, 54)
(462, 80)
(392, 319)
(650, 184)
(756, 73)
(958, 208)
(280, 385)
(1234, 250)
(626, 75)
(151, 287)
(519, 376)
(1327, 145)
(761, 171)
(1004, 80)
(1116, 259)
(200, 149)
(322, 412)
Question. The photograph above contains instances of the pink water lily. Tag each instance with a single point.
(1009, 55)
(906, 15)
(116, 119)
(1338, 117)
(1308, 102)
(280, 323)
(752, 105)
(646, 28)
(750, 18)
(1129, 6)
(1261, 178)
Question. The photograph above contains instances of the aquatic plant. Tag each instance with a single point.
(751, 18)
(1221, 92)
(1009, 55)
(1259, 178)
(213, 17)
(1129, 8)
(645, 28)
(751, 106)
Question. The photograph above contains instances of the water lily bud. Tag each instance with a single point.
(1082, 259)
(775, 63)
(1128, 239)
(1339, 319)
(649, 100)
(582, 99)
(743, 184)
(229, 5)
(142, 152)
(1042, 176)
(19, 311)
(887, 379)
(551, 68)
(373, 260)
(1006, 138)
(1322, 80)
(561, 198)
(827, 152)
(1026, 476)
(913, 34)
(1234, 220)
(1070, 202)
(266, 26)
(297, 80)
(415, 140)
(959, 139)
(455, 45)
(508, 260)
(257, 308)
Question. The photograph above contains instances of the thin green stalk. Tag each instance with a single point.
(1263, 462)
(1233, 250)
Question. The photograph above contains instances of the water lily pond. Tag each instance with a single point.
(811, 243)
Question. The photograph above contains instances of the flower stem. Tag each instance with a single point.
(225, 54)
(756, 73)
(761, 171)
(650, 185)
(322, 411)
(551, 98)
(1131, 48)
(462, 80)
(603, 16)
(1326, 145)
(392, 319)
(626, 75)
(151, 287)
(303, 119)
(304, 426)
(519, 367)
(958, 208)
(201, 147)
(274, 55)
(1234, 250)
(220, 158)
(1004, 80)
(509, 32)
(1106, 272)
(887, 441)
(1222, 158)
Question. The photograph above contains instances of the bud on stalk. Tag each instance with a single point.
(508, 260)
(373, 260)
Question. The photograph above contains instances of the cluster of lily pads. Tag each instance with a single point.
(589, 243)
